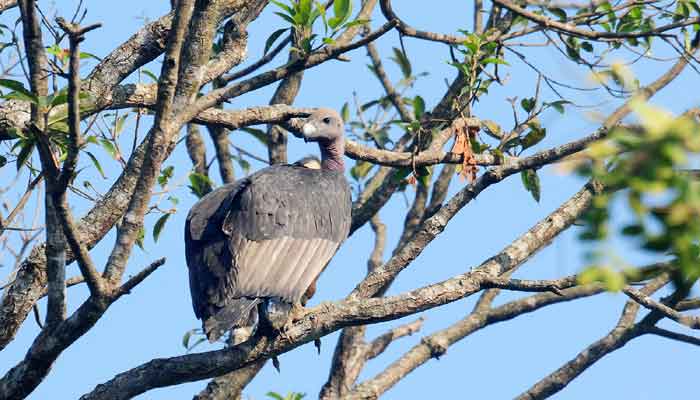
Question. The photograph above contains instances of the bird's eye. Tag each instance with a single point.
(327, 120)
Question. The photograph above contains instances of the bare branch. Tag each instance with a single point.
(196, 150)
(328, 317)
(436, 344)
(231, 385)
(621, 334)
(394, 96)
(691, 322)
(327, 53)
(378, 345)
(589, 34)
(654, 330)
(138, 278)
(7, 4)
(408, 30)
(350, 353)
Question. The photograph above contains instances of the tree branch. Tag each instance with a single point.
(435, 345)
(329, 317)
(621, 334)
(589, 34)
(691, 322)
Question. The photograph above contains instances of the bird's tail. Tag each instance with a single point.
(239, 315)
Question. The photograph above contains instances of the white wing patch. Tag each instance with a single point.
(282, 267)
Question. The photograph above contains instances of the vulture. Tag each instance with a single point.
(254, 248)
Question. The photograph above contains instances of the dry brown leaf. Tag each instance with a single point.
(462, 145)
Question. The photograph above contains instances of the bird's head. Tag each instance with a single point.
(323, 125)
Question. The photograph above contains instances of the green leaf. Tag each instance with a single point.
(119, 124)
(244, 164)
(3, 161)
(149, 74)
(85, 55)
(559, 13)
(158, 227)
(60, 97)
(199, 184)
(531, 181)
(528, 104)
(418, 107)
(401, 174)
(109, 147)
(533, 137)
(403, 62)
(341, 12)
(572, 48)
(355, 23)
(26, 152)
(273, 37)
(493, 60)
(258, 134)
(424, 175)
(559, 105)
(20, 92)
(186, 338)
(165, 175)
(283, 6)
(96, 164)
(633, 230)
(55, 50)
(345, 112)
(275, 396)
(360, 169)
(286, 18)
(587, 46)
(140, 237)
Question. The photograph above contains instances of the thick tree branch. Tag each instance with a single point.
(326, 53)
(436, 345)
(7, 4)
(434, 225)
(349, 354)
(160, 136)
(30, 279)
(231, 385)
(24, 377)
(328, 317)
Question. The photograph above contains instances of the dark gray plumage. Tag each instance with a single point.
(259, 244)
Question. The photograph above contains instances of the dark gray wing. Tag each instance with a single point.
(206, 249)
(284, 228)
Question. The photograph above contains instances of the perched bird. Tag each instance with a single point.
(255, 247)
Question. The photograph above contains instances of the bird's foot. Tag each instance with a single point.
(298, 312)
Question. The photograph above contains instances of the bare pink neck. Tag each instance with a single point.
(332, 155)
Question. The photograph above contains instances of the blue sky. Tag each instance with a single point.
(498, 362)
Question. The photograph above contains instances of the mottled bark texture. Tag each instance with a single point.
(230, 386)
(30, 278)
(184, 38)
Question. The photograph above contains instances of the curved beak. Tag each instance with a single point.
(309, 131)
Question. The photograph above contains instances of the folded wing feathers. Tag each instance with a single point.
(282, 267)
